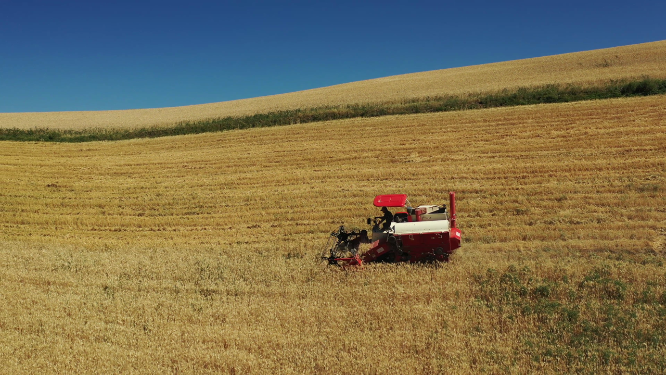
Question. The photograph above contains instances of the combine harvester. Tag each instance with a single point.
(422, 234)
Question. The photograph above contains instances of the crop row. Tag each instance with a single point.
(506, 98)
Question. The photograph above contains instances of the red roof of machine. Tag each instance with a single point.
(390, 200)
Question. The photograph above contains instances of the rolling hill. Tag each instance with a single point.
(198, 253)
(582, 68)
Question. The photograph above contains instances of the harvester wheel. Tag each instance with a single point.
(428, 258)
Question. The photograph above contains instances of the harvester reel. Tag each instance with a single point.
(339, 246)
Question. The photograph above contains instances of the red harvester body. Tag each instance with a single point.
(421, 234)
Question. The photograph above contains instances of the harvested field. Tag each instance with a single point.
(196, 253)
(582, 68)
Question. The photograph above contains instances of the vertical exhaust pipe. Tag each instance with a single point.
(452, 205)
(455, 236)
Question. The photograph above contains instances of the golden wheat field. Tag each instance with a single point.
(197, 254)
(581, 68)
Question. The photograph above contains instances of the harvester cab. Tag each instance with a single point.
(426, 233)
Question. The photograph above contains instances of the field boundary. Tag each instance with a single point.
(553, 93)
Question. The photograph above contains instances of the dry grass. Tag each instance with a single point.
(195, 253)
(583, 68)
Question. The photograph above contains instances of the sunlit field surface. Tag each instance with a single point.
(580, 68)
(197, 254)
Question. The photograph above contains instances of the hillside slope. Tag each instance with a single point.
(197, 253)
(581, 68)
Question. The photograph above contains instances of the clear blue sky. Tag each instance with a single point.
(89, 55)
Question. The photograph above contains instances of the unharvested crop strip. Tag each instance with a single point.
(522, 96)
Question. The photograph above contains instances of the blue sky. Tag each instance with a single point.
(87, 55)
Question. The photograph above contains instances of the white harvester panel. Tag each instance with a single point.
(437, 226)
(429, 208)
(432, 217)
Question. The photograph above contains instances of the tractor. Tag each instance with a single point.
(424, 234)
